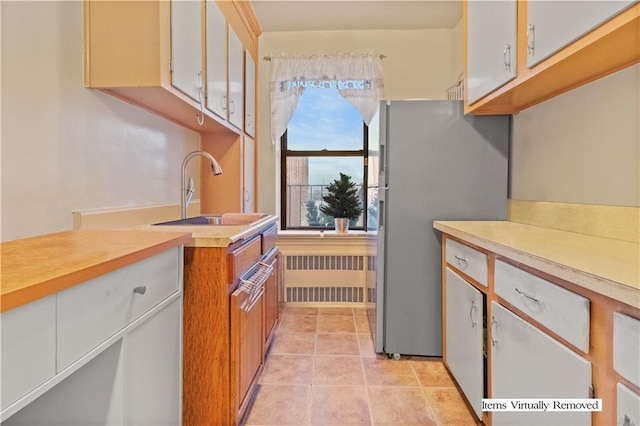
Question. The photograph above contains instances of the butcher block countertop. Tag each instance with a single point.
(215, 235)
(605, 266)
(33, 268)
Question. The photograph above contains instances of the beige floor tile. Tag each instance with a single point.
(293, 344)
(336, 324)
(280, 405)
(295, 310)
(449, 407)
(298, 324)
(387, 372)
(432, 373)
(337, 370)
(362, 325)
(337, 344)
(366, 345)
(399, 406)
(287, 370)
(336, 311)
(339, 405)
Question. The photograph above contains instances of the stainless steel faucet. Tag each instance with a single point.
(187, 192)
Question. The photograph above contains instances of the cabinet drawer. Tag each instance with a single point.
(269, 239)
(561, 311)
(95, 310)
(243, 258)
(628, 407)
(468, 260)
(626, 347)
(28, 348)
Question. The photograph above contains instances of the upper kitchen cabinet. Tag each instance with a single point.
(154, 54)
(249, 95)
(491, 46)
(186, 48)
(560, 46)
(553, 25)
(236, 87)
(217, 93)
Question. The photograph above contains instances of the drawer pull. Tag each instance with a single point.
(461, 260)
(627, 421)
(471, 316)
(526, 296)
(140, 289)
(493, 333)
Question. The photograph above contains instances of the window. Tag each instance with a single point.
(325, 137)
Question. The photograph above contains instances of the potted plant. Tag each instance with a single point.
(342, 202)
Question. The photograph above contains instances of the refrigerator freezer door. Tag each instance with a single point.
(442, 165)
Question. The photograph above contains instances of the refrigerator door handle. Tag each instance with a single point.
(381, 215)
(383, 164)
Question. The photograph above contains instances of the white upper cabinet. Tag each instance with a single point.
(250, 95)
(216, 60)
(551, 25)
(491, 46)
(186, 48)
(235, 80)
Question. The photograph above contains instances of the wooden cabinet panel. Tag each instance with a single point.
(271, 309)
(243, 258)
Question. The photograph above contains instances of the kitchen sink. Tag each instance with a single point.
(225, 219)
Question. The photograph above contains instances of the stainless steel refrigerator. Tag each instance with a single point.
(433, 163)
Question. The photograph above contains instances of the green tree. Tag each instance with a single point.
(342, 200)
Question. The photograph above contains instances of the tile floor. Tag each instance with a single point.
(321, 369)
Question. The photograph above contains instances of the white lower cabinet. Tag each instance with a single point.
(153, 386)
(527, 363)
(464, 338)
(628, 407)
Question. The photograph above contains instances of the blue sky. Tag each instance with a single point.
(324, 119)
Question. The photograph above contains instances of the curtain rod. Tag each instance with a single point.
(268, 58)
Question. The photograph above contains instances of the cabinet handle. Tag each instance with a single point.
(526, 296)
(461, 261)
(200, 117)
(506, 56)
(232, 106)
(140, 289)
(493, 333)
(627, 421)
(471, 316)
(224, 102)
(246, 195)
(531, 39)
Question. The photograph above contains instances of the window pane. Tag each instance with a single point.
(324, 120)
(307, 179)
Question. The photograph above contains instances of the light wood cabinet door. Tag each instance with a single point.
(527, 363)
(491, 46)
(464, 335)
(271, 299)
(216, 60)
(186, 47)
(236, 112)
(552, 25)
(250, 95)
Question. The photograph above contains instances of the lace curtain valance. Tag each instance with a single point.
(358, 78)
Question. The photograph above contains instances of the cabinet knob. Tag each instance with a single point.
(140, 289)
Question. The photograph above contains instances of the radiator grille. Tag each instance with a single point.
(325, 263)
(325, 294)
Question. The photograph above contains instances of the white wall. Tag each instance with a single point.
(582, 146)
(66, 147)
(418, 64)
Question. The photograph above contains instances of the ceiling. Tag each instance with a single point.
(330, 15)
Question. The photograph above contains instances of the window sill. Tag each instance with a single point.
(299, 238)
